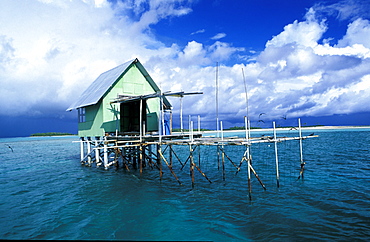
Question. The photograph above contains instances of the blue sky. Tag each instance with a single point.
(305, 59)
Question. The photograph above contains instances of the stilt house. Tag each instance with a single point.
(114, 101)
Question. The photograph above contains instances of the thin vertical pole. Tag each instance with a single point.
(141, 119)
(160, 117)
(105, 154)
(96, 152)
(82, 155)
(218, 158)
(223, 154)
(249, 178)
(191, 131)
(171, 122)
(198, 124)
(246, 127)
(217, 128)
(189, 121)
(222, 131)
(223, 163)
(191, 165)
(276, 158)
(301, 150)
(300, 140)
(141, 158)
(171, 159)
(181, 125)
(159, 162)
(88, 151)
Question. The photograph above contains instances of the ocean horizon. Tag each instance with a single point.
(47, 194)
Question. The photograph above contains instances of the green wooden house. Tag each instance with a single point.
(113, 102)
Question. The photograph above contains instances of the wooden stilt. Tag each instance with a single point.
(200, 171)
(258, 178)
(300, 150)
(171, 151)
(135, 151)
(249, 180)
(141, 158)
(105, 155)
(97, 156)
(276, 158)
(191, 165)
(199, 157)
(218, 157)
(170, 167)
(89, 151)
(159, 163)
(176, 156)
(223, 164)
(82, 155)
(224, 153)
(123, 160)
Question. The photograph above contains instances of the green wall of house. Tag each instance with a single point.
(104, 117)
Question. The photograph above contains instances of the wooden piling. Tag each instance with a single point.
(135, 151)
(276, 158)
(191, 165)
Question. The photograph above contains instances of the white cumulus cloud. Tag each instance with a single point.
(51, 50)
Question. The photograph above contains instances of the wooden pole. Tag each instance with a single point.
(97, 156)
(141, 120)
(258, 178)
(88, 151)
(249, 179)
(171, 159)
(222, 153)
(203, 174)
(181, 123)
(222, 131)
(191, 165)
(170, 167)
(223, 164)
(159, 163)
(217, 128)
(116, 154)
(171, 122)
(82, 155)
(218, 157)
(276, 158)
(301, 150)
(123, 159)
(141, 158)
(105, 154)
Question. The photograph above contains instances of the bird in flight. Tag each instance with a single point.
(259, 118)
(10, 147)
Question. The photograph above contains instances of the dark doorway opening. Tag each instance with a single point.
(130, 116)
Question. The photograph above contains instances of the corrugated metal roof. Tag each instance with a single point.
(100, 86)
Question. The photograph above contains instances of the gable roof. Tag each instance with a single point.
(106, 81)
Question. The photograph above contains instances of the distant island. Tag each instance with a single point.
(51, 134)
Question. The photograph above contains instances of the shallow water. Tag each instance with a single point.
(47, 194)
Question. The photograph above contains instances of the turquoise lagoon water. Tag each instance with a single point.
(47, 194)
